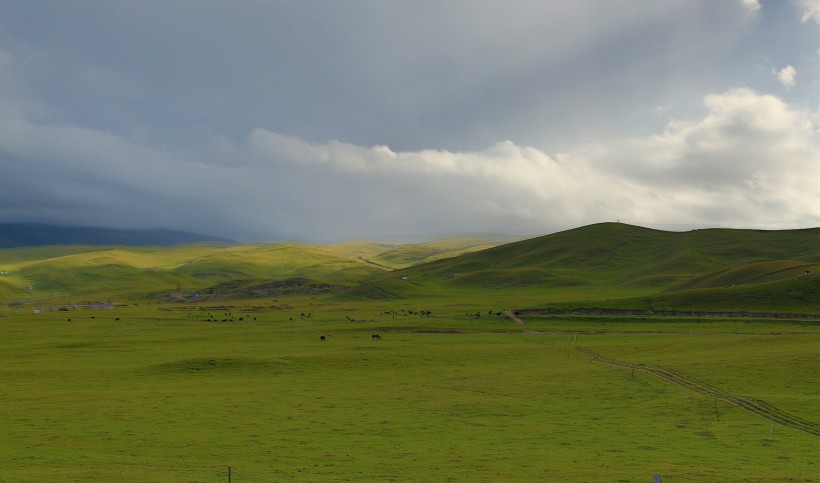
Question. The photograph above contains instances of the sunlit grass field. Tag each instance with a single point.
(163, 395)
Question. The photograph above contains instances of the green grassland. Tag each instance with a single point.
(161, 389)
(159, 396)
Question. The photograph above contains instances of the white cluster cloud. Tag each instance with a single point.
(786, 76)
(811, 10)
(750, 161)
(752, 5)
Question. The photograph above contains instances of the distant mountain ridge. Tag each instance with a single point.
(16, 235)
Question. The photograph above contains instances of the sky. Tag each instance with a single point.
(326, 120)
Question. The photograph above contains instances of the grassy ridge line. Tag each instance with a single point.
(754, 406)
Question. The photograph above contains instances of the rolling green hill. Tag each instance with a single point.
(599, 265)
(139, 271)
(619, 264)
(136, 271)
(615, 253)
(283, 260)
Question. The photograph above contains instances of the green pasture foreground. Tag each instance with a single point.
(161, 395)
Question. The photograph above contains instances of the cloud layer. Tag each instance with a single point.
(322, 120)
(752, 160)
(811, 10)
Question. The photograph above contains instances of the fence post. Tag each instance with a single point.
(229, 474)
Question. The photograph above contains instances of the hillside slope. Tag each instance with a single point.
(615, 253)
(623, 266)
(750, 273)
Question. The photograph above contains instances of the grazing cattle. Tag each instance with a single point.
(377, 337)
(322, 338)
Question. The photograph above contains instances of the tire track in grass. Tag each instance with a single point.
(520, 323)
(754, 406)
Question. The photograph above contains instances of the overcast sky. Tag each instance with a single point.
(335, 119)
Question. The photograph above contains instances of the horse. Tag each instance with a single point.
(322, 338)
(376, 337)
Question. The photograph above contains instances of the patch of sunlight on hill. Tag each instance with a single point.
(283, 260)
(359, 249)
(9, 289)
(395, 255)
(419, 253)
(16, 256)
(143, 258)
